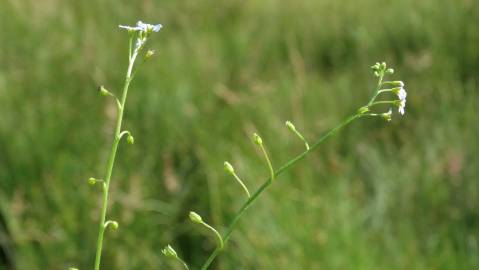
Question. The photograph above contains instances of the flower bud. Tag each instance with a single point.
(229, 168)
(169, 252)
(387, 116)
(149, 54)
(257, 139)
(389, 71)
(130, 139)
(103, 91)
(290, 126)
(72, 268)
(91, 181)
(114, 225)
(195, 217)
(364, 109)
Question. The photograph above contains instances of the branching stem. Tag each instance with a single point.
(269, 181)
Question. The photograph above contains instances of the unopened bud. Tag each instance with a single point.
(364, 109)
(290, 126)
(257, 139)
(149, 54)
(103, 91)
(169, 252)
(389, 71)
(387, 116)
(195, 217)
(92, 181)
(113, 224)
(130, 139)
(229, 168)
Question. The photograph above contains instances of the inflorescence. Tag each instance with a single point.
(139, 34)
(384, 87)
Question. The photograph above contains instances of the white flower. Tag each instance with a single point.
(387, 116)
(142, 27)
(402, 105)
(149, 27)
(401, 93)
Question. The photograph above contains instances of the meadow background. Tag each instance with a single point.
(399, 195)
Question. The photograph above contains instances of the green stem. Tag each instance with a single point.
(111, 160)
(378, 87)
(268, 161)
(218, 235)
(269, 181)
(384, 102)
(242, 184)
(183, 262)
(302, 138)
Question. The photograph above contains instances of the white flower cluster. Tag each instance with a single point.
(143, 27)
(402, 94)
(396, 87)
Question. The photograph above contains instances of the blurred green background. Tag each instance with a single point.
(399, 195)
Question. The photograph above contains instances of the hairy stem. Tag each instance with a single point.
(269, 181)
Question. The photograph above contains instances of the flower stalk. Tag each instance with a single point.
(141, 33)
(379, 70)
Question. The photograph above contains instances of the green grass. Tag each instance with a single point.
(402, 195)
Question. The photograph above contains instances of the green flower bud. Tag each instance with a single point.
(257, 139)
(114, 225)
(364, 109)
(387, 116)
(169, 252)
(195, 217)
(149, 54)
(103, 91)
(389, 71)
(290, 126)
(72, 268)
(130, 139)
(92, 181)
(229, 168)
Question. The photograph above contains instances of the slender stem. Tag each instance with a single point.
(183, 262)
(111, 159)
(302, 138)
(378, 87)
(386, 90)
(218, 235)
(385, 102)
(123, 133)
(242, 184)
(270, 165)
(269, 181)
